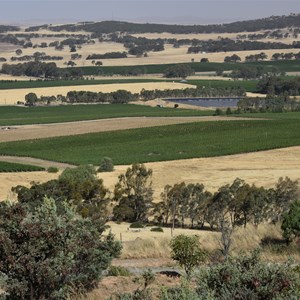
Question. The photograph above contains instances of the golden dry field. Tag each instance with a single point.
(260, 168)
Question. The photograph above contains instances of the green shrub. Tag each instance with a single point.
(52, 243)
(52, 170)
(247, 277)
(106, 165)
(157, 229)
(136, 225)
(118, 271)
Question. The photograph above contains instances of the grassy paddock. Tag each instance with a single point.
(10, 115)
(6, 167)
(203, 139)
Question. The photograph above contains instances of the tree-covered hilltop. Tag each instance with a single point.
(5, 28)
(98, 28)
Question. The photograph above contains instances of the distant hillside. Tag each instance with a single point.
(5, 28)
(98, 28)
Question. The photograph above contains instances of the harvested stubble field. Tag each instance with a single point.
(11, 97)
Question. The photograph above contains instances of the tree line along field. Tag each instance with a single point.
(284, 66)
(165, 143)
(249, 85)
(12, 115)
(6, 167)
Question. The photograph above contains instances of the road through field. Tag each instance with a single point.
(28, 132)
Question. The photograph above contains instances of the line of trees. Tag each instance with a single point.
(40, 69)
(275, 85)
(271, 103)
(226, 44)
(181, 205)
(107, 55)
(123, 96)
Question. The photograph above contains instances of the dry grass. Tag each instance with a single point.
(144, 244)
(11, 97)
(260, 168)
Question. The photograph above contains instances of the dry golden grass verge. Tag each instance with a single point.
(145, 244)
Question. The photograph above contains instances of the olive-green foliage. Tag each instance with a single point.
(118, 271)
(157, 229)
(247, 277)
(291, 222)
(134, 194)
(181, 71)
(46, 252)
(52, 170)
(136, 225)
(106, 165)
(78, 186)
(186, 250)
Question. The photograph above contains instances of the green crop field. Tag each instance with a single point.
(285, 66)
(5, 85)
(10, 115)
(248, 85)
(166, 142)
(6, 167)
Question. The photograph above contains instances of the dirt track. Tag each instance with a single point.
(27, 132)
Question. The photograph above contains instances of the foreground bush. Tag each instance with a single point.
(46, 252)
(106, 165)
(247, 277)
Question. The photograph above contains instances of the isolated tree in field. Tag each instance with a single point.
(134, 193)
(106, 165)
(291, 222)
(31, 99)
(46, 252)
(186, 250)
(19, 51)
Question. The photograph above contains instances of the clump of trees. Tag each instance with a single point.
(133, 194)
(181, 71)
(107, 55)
(238, 203)
(274, 104)
(40, 69)
(279, 85)
(233, 58)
